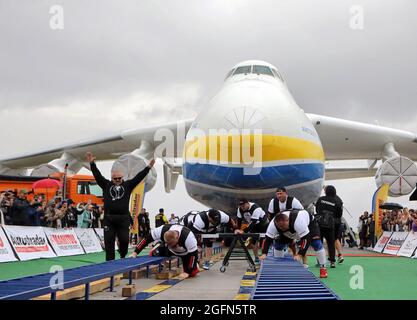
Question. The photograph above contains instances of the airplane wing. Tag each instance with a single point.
(349, 173)
(344, 139)
(106, 147)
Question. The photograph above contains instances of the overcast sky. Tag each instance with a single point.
(126, 64)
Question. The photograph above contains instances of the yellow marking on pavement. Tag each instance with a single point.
(242, 296)
(247, 283)
(158, 288)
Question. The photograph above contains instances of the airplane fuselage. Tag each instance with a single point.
(254, 114)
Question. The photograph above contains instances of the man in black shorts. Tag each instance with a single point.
(176, 240)
(295, 225)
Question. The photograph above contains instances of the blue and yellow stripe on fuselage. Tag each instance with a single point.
(284, 161)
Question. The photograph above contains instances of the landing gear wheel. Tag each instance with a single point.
(222, 269)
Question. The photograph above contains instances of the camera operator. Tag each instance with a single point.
(70, 219)
(6, 202)
(363, 229)
(35, 212)
(51, 215)
(95, 216)
(20, 208)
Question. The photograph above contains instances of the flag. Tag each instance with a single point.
(136, 204)
(379, 198)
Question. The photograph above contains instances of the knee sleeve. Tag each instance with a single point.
(280, 246)
(278, 253)
(321, 256)
(317, 244)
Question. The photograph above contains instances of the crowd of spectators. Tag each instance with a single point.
(392, 220)
(399, 220)
(16, 209)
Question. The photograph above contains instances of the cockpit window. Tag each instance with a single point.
(262, 70)
(256, 69)
(229, 73)
(242, 69)
(277, 75)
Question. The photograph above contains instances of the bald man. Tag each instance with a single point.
(116, 196)
(176, 240)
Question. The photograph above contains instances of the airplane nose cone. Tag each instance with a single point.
(245, 117)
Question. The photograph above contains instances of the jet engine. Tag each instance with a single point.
(400, 173)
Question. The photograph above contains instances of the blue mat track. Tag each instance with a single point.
(287, 279)
(34, 286)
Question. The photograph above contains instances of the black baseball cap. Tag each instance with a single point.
(161, 210)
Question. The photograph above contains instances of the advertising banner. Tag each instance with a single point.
(88, 240)
(100, 235)
(6, 251)
(136, 204)
(379, 198)
(395, 242)
(382, 241)
(29, 242)
(64, 242)
(409, 245)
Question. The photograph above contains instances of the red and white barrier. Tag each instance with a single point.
(29, 242)
(409, 245)
(64, 242)
(382, 241)
(88, 240)
(395, 242)
(6, 251)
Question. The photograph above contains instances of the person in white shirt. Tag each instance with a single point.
(176, 240)
(207, 222)
(295, 225)
(173, 219)
(257, 221)
(282, 202)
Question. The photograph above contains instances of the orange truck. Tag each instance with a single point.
(79, 188)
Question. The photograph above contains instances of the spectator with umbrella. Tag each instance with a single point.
(48, 186)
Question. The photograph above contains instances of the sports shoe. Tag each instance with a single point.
(332, 265)
(340, 259)
(206, 265)
(323, 272)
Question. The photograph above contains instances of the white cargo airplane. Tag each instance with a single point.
(254, 101)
